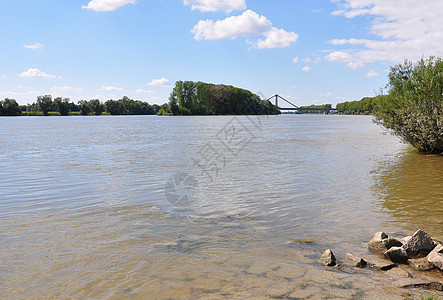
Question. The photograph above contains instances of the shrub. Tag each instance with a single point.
(413, 107)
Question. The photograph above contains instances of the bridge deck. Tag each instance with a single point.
(295, 107)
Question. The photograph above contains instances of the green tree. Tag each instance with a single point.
(199, 98)
(9, 107)
(85, 109)
(114, 107)
(45, 104)
(62, 105)
(156, 108)
(96, 107)
(413, 108)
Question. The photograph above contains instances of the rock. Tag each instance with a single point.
(397, 255)
(419, 244)
(397, 273)
(436, 256)
(382, 265)
(381, 242)
(435, 285)
(328, 258)
(376, 243)
(415, 283)
(420, 264)
(406, 239)
(355, 261)
(391, 242)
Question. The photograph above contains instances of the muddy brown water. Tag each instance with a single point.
(205, 207)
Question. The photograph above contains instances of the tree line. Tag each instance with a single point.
(365, 106)
(199, 98)
(46, 105)
(186, 98)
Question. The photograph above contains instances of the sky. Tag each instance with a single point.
(308, 51)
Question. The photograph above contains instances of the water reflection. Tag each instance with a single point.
(412, 191)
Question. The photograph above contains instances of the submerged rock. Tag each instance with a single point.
(355, 261)
(419, 244)
(416, 283)
(397, 273)
(328, 259)
(420, 264)
(436, 256)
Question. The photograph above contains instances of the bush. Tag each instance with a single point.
(413, 108)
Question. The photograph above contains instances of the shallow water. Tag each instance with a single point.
(204, 207)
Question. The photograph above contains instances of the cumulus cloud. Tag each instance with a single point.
(142, 91)
(343, 98)
(328, 94)
(56, 88)
(403, 33)
(277, 38)
(32, 72)
(159, 82)
(34, 46)
(295, 60)
(216, 5)
(107, 5)
(105, 88)
(338, 56)
(372, 73)
(345, 57)
(306, 69)
(20, 96)
(248, 24)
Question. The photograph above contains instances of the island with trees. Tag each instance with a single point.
(186, 98)
(199, 98)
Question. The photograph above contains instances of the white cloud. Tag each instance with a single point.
(159, 82)
(306, 69)
(107, 5)
(32, 72)
(21, 97)
(248, 24)
(105, 88)
(295, 60)
(372, 73)
(328, 94)
(343, 98)
(277, 38)
(56, 88)
(142, 91)
(338, 56)
(355, 65)
(34, 46)
(405, 30)
(344, 57)
(216, 5)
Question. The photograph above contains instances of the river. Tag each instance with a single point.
(204, 207)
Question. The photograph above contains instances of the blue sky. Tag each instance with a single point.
(316, 51)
